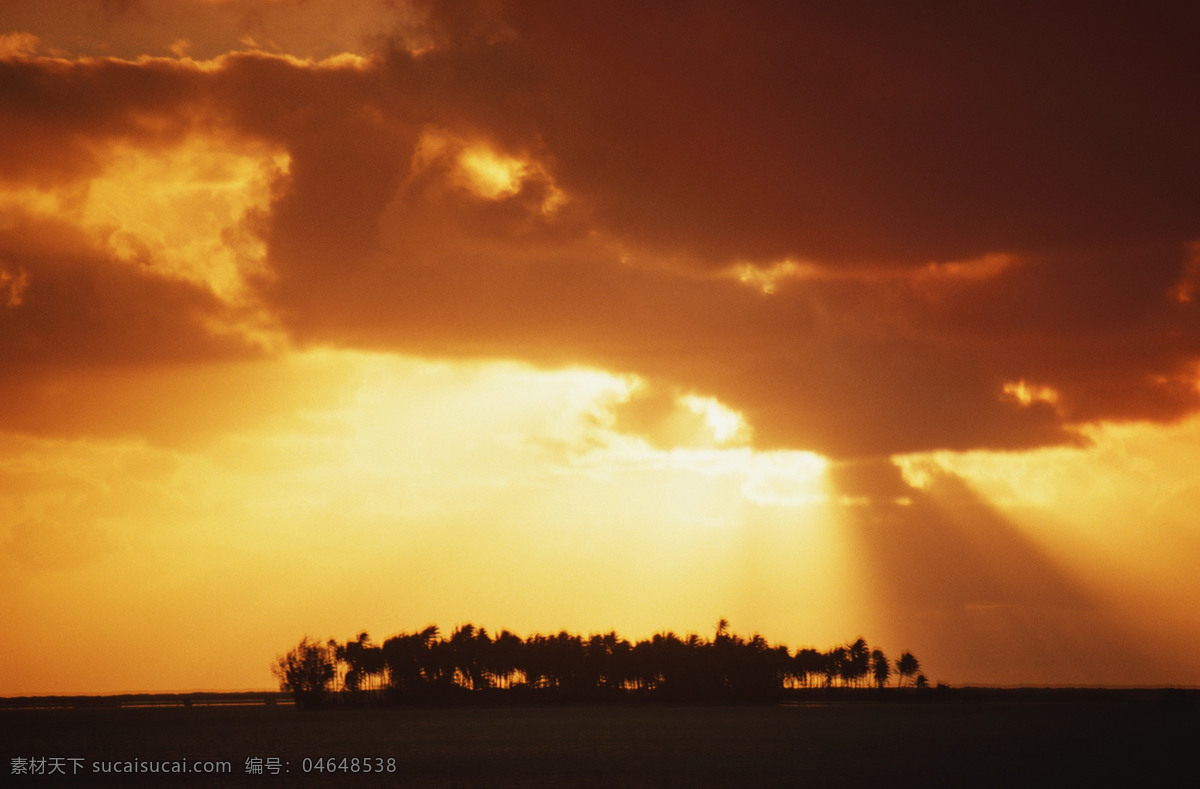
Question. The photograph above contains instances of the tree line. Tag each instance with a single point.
(425, 667)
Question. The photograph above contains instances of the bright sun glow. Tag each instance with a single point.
(768, 278)
(491, 175)
(1027, 394)
(725, 423)
(482, 170)
(430, 491)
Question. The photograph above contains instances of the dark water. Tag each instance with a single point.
(844, 745)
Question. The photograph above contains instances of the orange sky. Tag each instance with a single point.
(326, 316)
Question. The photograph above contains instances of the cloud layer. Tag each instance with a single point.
(868, 231)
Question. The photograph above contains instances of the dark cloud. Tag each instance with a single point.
(846, 132)
(60, 117)
(82, 312)
(866, 143)
(79, 308)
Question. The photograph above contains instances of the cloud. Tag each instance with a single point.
(484, 194)
(17, 45)
(843, 134)
(127, 231)
(130, 29)
(68, 304)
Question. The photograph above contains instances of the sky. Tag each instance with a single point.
(829, 319)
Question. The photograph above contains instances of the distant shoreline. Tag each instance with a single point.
(110, 700)
(1175, 695)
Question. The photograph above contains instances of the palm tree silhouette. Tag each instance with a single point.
(422, 667)
(806, 664)
(907, 666)
(857, 662)
(506, 658)
(835, 665)
(880, 668)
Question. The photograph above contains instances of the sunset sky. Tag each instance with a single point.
(831, 319)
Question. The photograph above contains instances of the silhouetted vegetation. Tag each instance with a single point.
(306, 671)
(470, 664)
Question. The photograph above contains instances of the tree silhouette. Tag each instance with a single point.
(835, 665)
(410, 662)
(907, 666)
(374, 667)
(423, 667)
(468, 649)
(306, 671)
(506, 658)
(880, 668)
(857, 662)
(808, 663)
(364, 661)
